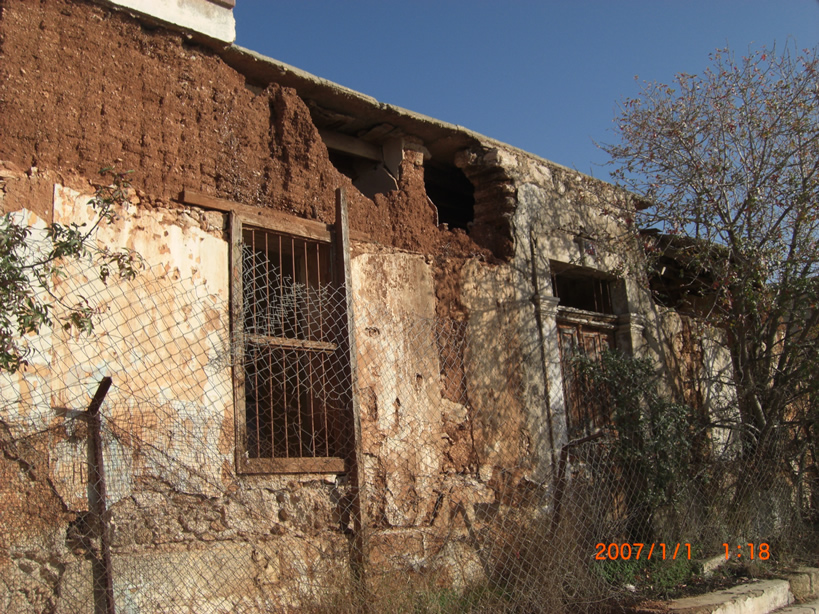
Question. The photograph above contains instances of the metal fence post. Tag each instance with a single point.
(101, 564)
(561, 480)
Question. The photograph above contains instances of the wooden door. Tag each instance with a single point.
(587, 407)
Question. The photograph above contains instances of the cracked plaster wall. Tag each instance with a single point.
(431, 462)
(451, 435)
(164, 339)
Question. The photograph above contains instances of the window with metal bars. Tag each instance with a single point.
(286, 375)
(582, 291)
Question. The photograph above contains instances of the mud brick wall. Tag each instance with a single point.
(451, 384)
(83, 86)
(174, 498)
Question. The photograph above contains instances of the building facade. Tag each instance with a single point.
(347, 354)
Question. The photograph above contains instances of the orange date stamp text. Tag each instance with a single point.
(626, 551)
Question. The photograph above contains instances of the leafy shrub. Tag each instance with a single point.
(652, 436)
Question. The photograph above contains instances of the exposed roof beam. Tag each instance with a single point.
(351, 145)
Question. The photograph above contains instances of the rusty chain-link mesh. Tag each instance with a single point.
(465, 504)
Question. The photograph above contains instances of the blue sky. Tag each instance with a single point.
(543, 76)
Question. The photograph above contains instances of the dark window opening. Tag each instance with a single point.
(452, 193)
(685, 288)
(582, 291)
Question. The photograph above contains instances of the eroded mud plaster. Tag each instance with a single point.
(459, 376)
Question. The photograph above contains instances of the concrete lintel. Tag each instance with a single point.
(549, 305)
(632, 321)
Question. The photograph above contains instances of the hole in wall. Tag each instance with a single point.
(369, 176)
(452, 193)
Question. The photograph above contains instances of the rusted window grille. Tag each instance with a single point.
(288, 353)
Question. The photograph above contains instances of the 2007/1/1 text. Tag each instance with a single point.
(625, 551)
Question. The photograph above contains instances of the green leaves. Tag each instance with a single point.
(653, 433)
(29, 267)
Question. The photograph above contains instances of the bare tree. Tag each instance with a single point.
(729, 159)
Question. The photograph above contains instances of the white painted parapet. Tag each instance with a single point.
(213, 18)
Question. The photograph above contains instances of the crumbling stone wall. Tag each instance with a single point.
(460, 406)
(698, 370)
(550, 216)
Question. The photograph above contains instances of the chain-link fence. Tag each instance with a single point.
(151, 492)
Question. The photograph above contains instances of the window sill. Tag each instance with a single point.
(327, 464)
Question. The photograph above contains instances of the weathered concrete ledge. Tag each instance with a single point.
(804, 583)
(757, 598)
(802, 608)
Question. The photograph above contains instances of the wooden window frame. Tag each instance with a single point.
(589, 334)
(303, 231)
(338, 237)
